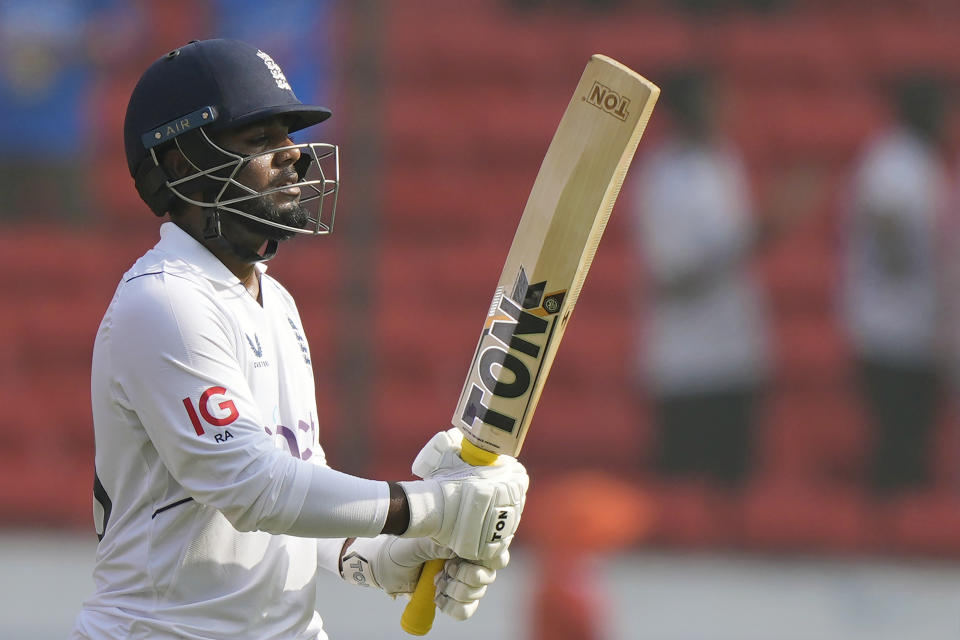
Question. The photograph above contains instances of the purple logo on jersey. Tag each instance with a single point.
(290, 436)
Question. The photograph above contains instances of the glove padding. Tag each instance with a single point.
(474, 511)
(460, 586)
(394, 565)
(440, 458)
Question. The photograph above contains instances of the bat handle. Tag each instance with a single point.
(474, 455)
(417, 618)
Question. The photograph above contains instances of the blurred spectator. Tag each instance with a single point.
(705, 353)
(892, 304)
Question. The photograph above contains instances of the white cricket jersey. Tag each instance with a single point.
(206, 453)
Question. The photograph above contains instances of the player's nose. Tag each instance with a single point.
(289, 155)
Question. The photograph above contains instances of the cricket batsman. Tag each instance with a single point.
(213, 503)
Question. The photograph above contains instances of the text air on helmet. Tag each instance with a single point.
(212, 85)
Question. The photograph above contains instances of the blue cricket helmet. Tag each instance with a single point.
(210, 85)
(241, 83)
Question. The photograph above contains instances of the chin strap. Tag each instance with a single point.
(269, 250)
(212, 231)
(211, 227)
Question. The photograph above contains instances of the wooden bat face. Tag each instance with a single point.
(551, 253)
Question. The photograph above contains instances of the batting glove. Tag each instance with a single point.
(394, 565)
(474, 511)
(460, 586)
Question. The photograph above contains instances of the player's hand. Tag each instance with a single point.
(440, 458)
(394, 565)
(460, 586)
(388, 562)
(474, 511)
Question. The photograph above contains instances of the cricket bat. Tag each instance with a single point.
(555, 242)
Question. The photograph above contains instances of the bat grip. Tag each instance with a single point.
(417, 618)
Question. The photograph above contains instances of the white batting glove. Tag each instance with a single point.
(394, 565)
(388, 562)
(474, 511)
(460, 586)
(440, 458)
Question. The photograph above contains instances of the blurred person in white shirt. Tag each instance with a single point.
(893, 301)
(705, 352)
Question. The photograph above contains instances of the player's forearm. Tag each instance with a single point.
(338, 505)
(343, 506)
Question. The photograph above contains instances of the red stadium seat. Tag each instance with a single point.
(800, 516)
(46, 490)
(813, 435)
(921, 524)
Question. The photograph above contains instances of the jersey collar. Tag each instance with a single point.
(177, 242)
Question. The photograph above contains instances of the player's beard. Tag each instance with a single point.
(266, 209)
(255, 241)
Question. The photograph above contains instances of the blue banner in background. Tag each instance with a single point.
(49, 57)
(45, 73)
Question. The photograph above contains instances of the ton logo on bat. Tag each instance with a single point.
(606, 99)
(511, 349)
